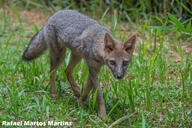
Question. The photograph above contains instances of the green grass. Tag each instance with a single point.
(156, 91)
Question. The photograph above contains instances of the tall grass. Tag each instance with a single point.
(127, 9)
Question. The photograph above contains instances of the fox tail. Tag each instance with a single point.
(36, 47)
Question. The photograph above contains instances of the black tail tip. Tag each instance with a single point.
(25, 58)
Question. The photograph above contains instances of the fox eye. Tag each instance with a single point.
(125, 63)
(110, 49)
(112, 62)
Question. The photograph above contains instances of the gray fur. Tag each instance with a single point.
(35, 48)
(87, 39)
(67, 28)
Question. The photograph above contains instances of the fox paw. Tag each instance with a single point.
(102, 114)
(80, 101)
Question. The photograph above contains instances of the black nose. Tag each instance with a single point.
(120, 76)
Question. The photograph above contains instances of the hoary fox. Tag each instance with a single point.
(87, 39)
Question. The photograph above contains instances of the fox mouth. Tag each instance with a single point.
(119, 77)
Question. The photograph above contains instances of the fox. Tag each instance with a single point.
(86, 39)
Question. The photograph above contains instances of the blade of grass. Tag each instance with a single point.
(104, 14)
(121, 119)
(94, 98)
(110, 113)
(114, 24)
(145, 47)
(176, 22)
(17, 14)
(143, 121)
(185, 7)
(36, 28)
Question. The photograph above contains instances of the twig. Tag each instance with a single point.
(120, 120)
(91, 118)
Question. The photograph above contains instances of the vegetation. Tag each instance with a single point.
(157, 88)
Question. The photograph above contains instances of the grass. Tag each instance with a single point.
(156, 91)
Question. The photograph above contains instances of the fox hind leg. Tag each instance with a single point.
(69, 72)
(56, 60)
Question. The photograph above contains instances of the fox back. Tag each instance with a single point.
(65, 28)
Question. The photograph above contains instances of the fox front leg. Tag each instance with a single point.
(94, 71)
(101, 103)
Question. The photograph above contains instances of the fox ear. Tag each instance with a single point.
(129, 44)
(109, 43)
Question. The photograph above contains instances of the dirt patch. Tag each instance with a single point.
(31, 16)
(188, 49)
(35, 16)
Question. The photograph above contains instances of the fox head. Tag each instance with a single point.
(118, 54)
